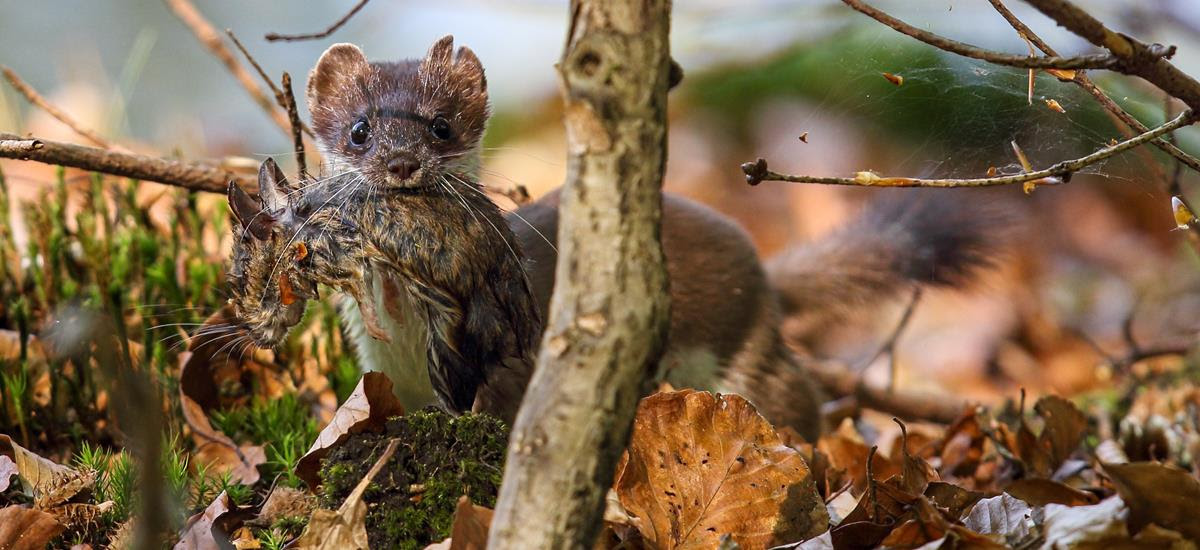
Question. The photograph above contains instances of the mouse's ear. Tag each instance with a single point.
(335, 73)
(438, 60)
(273, 186)
(249, 215)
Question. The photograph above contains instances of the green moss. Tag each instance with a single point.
(412, 500)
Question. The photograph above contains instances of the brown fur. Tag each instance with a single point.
(482, 281)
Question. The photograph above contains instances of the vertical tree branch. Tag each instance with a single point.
(609, 310)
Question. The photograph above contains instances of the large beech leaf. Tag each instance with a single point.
(700, 466)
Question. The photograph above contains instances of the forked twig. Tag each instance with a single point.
(273, 36)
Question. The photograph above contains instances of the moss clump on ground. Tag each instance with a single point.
(440, 458)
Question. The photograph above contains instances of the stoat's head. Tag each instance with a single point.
(268, 291)
(404, 125)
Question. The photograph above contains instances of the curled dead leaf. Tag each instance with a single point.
(198, 393)
(347, 527)
(50, 484)
(367, 408)
(198, 532)
(701, 465)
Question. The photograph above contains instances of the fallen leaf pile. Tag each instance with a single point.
(705, 470)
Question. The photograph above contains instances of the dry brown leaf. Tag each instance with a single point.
(1040, 492)
(1158, 494)
(368, 407)
(52, 484)
(198, 533)
(198, 392)
(285, 502)
(848, 453)
(953, 498)
(915, 473)
(26, 528)
(470, 528)
(346, 528)
(701, 465)
(217, 451)
(244, 539)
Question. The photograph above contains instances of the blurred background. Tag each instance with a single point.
(1089, 263)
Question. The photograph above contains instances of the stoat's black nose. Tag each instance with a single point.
(403, 165)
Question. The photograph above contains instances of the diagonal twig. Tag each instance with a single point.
(208, 36)
(35, 98)
(279, 98)
(273, 36)
(889, 346)
(1093, 61)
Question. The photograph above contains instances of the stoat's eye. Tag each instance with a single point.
(439, 127)
(359, 132)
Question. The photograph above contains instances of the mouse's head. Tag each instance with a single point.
(269, 291)
(406, 124)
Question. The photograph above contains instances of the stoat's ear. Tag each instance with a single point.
(467, 68)
(249, 216)
(335, 73)
(438, 60)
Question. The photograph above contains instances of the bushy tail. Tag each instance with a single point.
(903, 239)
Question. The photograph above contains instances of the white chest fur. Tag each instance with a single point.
(404, 359)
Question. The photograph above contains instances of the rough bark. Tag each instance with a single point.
(609, 310)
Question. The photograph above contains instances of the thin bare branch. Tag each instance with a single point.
(757, 171)
(889, 346)
(208, 36)
(279, 99)
(1132, 125)
(35, 98)
(189, 175)
(289, 100)
(1092, 61)
(840, 381)
(1137, 58)
(272, 36)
